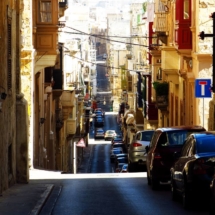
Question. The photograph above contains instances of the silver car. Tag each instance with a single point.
(136, 151)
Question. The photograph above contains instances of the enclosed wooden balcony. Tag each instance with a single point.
(161, 16)
(45, 22)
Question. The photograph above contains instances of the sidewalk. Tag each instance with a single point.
(28, 199)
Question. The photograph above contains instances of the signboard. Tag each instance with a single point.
(81, 143)
(202, 88)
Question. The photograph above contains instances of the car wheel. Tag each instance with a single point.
(154, 183)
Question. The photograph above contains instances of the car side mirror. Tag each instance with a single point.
(147, 149)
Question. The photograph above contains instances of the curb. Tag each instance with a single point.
(42, 200)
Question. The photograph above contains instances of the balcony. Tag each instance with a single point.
(73, 46)
(68, 98)
(71, 126)
(161, 17)
(162, 102)
(161, 23)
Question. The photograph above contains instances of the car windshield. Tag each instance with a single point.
(110, 132)
(205, 144)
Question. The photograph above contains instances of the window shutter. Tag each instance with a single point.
(48, 74)
(58, 79)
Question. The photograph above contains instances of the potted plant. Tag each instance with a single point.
(162, 91)
(161, 88)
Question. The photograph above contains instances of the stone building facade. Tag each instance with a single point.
(13, 115)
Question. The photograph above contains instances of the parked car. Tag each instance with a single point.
(117, 139)
(164, 143)
(136, 151)
(119, 167)
(99, 133)
(192, 173)
(98, 113)
(120, 156)
(99, 121)
(124, 168)
(212, 196)
(114, 152)
(110, 134)
(99, 110)
(122, 145)
(120, 162)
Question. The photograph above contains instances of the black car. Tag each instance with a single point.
(99, 113)
(122, 155)
(121, 160)
(192, 173)
(99, 121)
(99, 133)
(164, 143)
(117, 139)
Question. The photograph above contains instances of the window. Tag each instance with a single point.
(186, 9)
(45, 11)
(205, 144)
(177, 137)
(163, 140)
(146, 136)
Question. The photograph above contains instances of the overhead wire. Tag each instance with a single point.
(105, 38)
(108, 67)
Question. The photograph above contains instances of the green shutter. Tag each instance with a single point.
(123, 78)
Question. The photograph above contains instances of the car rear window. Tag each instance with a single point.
(176, 137)
(99, 131)
(110, 132)
(145, 136)
(205, 144)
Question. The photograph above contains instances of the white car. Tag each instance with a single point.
(110, 134)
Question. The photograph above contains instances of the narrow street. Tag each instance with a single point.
(100, 191)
